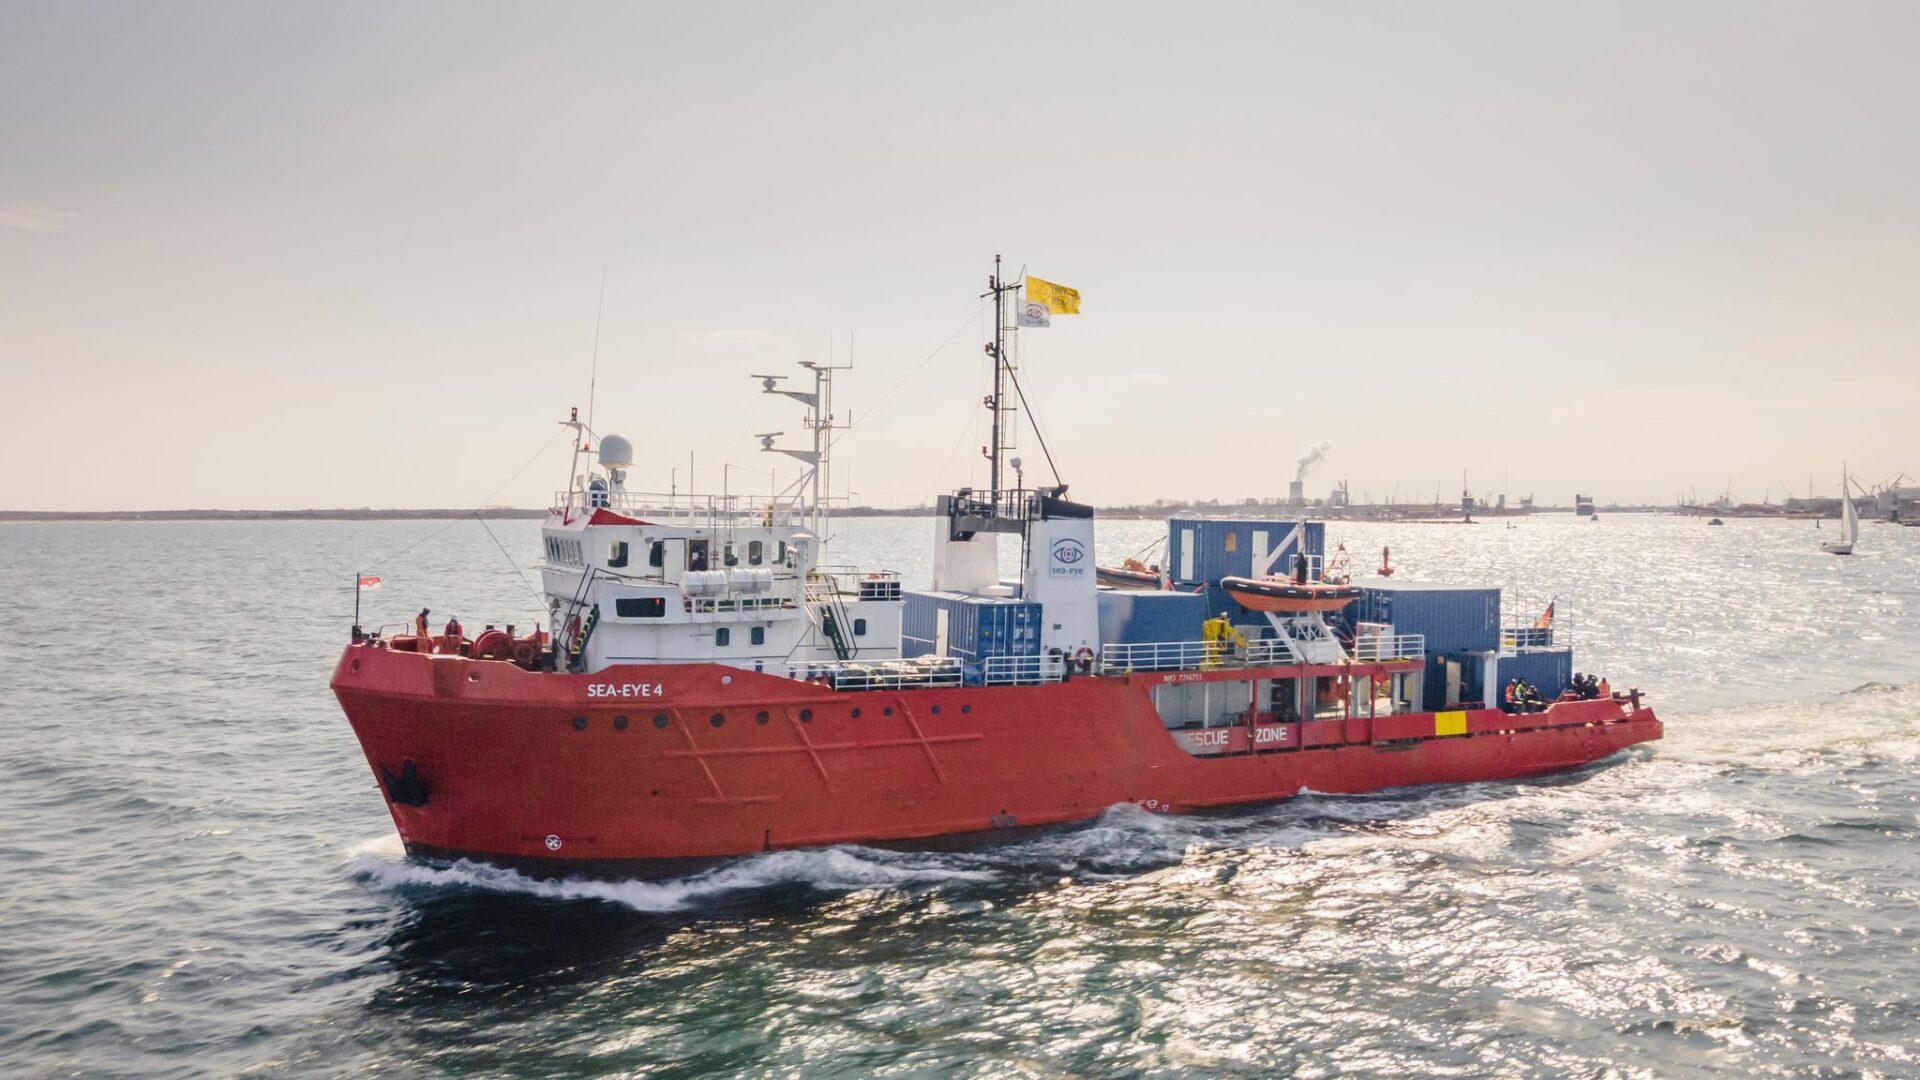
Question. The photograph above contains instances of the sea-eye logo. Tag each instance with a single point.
(1067, 554)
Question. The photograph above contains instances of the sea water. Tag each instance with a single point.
(198, 875)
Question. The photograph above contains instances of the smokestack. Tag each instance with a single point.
(1296, 494)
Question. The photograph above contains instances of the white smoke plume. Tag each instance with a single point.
(1315, 455)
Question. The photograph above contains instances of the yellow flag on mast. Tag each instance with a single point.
(1057, 299)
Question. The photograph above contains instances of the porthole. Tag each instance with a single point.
(806, 716)
(579, 723)
(760, 717)
(856, 712)
(888, 711)
(964, 709)
(717, 719)
(619, 723)
(660, 720)
(936, 710)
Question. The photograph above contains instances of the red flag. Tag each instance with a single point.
(367, 581)
(1545, 621)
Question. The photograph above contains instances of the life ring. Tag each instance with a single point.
(524, 652)
(1083, 658)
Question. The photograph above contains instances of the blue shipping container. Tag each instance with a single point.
(977, 627)
(1453, 618)
(1138, 617)
(1208, 549)
(1550, 671)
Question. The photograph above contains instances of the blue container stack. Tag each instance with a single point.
(1138, 617)
(1454, 619)
(978, 627)
(1550, 671)
(1225, 548)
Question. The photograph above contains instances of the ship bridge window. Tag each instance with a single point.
(859, 628)
(617, 553)
(697, 554)
(640, 607)
(729, 556)
(657, 554)
(756, 551)
(758, 635)
(722, 637)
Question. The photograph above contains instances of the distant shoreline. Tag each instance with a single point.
(1409, 515)
(491, 513)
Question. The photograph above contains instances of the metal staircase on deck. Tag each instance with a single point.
(830, 615)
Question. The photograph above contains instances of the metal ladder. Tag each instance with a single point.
(830, 615)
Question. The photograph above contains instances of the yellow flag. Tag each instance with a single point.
(1058, 298)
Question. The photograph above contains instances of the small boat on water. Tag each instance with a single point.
(1131, 574)
(1716, 521)
(1849, 524)
(1288, 596)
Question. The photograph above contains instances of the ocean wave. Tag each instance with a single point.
(836, 869)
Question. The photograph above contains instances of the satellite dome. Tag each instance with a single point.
(615, 452)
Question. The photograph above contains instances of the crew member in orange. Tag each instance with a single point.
(420, 626)
(453, 629)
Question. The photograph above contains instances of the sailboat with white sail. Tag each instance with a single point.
(1849, 523)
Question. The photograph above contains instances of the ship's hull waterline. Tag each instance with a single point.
(656, 769)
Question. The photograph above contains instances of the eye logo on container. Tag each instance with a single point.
(1067, 555)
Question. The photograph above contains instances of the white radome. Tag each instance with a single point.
(615, 452)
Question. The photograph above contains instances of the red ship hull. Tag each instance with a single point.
(659, 768)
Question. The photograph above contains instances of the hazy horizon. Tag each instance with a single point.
(279, 257)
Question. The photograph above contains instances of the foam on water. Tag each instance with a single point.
(836, 869)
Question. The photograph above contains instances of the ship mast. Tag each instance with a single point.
(1002, 427)
(820, 422)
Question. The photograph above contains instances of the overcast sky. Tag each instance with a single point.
(265, 255)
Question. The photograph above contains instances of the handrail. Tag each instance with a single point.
(1372, 648)
(679, 508)
(1263, 652)
(1023, 670)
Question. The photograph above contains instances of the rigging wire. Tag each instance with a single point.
(483, 502)
(538, 598)
(928, 359)
(1034, 422)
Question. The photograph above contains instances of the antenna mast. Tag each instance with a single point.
(820, 421)
(1002, 430)
(593, 379)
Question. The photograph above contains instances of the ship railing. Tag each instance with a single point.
(852, 581)
(856, 675)
(1162, 655)
(689, 511)
(1022, 670)
(1374, 648)
(1557, 634)
(1262, 652)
